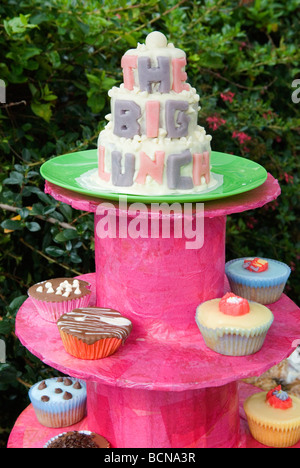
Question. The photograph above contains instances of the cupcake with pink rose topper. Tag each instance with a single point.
(232, 326)
(54, 297)
(274, 417)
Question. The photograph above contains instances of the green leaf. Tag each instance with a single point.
(67, 211)
(74, 257)
(42, 110)
(11, 225)
(32, 226)
(18, 25)
(67, 234)
(16, 303)
(54, 251)
(15, 178)
(5, 326)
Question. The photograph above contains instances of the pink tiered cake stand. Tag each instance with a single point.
(163, 388)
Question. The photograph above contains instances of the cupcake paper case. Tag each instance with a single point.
(56, 296)
(230, 333)
(264, 286)
(59, 401)
(274, 418)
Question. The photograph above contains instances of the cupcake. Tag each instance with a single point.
(233, 326)
(274, 417)
(57, 296)
(59, 401)
(93, 332)
(77, 439)
(257, 279)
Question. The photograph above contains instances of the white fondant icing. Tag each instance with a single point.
(156, 39)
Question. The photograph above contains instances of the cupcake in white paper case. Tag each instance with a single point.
(59, 401)
(54, 297)
(232, 326)
(257, 279)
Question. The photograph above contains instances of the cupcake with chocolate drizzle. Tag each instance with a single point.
(93, 332)
(59, 401)
(57, 296)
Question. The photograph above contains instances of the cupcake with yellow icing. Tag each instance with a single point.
(274, 418)
(233, 326)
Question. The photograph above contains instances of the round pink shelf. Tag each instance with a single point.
(161, 360)
(251, 200)
(29, 433)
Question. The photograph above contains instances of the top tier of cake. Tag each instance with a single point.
(152, 143)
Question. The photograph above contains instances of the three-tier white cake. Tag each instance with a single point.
(152, 143)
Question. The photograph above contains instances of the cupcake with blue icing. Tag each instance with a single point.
(257, 279)
(59, 401)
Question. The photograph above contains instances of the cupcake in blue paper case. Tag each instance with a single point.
(59, 401)
(257, 279)
(232, 326)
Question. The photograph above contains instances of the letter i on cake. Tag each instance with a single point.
(152, 143)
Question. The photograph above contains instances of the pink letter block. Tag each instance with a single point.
(153, 168)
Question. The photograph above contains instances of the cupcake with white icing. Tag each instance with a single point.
(56, 296)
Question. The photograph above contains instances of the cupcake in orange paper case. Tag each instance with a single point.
(257, 279)
(274, 417)
(56, 296)
(232, 326)
(93, 332)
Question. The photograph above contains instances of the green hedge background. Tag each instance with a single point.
(59, 59)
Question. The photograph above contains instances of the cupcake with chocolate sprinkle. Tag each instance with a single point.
(59, 401)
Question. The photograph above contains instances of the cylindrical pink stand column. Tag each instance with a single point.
(159, 281)
(129, 417)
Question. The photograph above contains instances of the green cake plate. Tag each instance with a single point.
(239, 175)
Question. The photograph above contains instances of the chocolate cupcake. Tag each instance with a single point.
(93, 332)
(57, 296)
(59, 401)
(77, 439)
